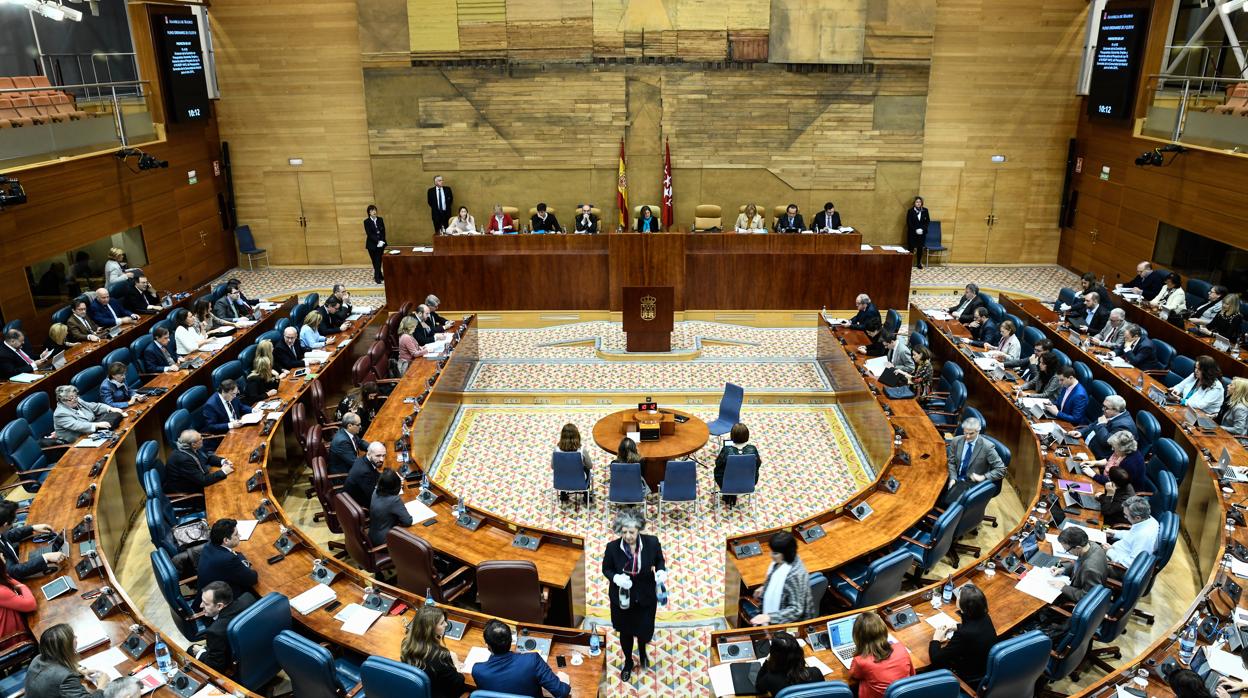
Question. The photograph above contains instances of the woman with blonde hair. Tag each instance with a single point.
(262, 382)
(409, 348)
(115, 267)
(424, 648)
(310, 334)
(58, 335)
(749, 220)
(877, 662)
(1229, 321)
(265, 348)
(1235, 418)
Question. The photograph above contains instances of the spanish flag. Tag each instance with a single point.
(621, 189)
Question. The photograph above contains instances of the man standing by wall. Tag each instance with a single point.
(440, 202)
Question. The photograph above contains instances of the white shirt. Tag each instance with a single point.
(1206, 399)
(187, 340)
(1141, 537)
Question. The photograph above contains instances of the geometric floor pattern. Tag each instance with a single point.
(593, 375)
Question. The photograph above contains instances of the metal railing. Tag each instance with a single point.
(126, 101)
(52, 65)
(1176, 97)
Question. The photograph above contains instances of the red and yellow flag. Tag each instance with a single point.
(621, 191)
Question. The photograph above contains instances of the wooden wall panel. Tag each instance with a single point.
(1002, 82)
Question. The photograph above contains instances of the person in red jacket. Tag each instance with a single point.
(16, 601)
(500, 222)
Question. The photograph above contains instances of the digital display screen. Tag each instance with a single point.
(1116, 62)
(182, 64)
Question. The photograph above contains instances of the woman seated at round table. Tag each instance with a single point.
(462, 224)
(646, 222)
(877, 662)
(750, 220)
(1126, 455)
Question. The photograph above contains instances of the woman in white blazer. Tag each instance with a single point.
(1009, 348)
(750, 220)
(1171, 297)
(1203, 389)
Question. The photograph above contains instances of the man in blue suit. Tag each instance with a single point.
(1138, 349)
(984, 331)
(521, 673)
(1114, 418)
(220, 562)
(107, 312)
(1072, 401)
(346, 446)
(160, 355)
(223, 410)
(866, 312)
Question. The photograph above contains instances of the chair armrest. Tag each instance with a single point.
(966, 688)
(338, 476)
(354, 690)
(943, 414)
(57, 447)
(848, 581)
(183, 497)
(189, 581)
(20, 473)
(908, 539)
(1060, 610)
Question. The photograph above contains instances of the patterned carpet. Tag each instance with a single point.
(581, 340)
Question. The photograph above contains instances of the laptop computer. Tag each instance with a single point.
(114, 331)
(1032, 554)
(1200, 422)
(58, 361)
(1157, 395)
(841, 638)
(1083, 500)
(1221, 343)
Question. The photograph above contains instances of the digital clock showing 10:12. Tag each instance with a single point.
(1116, 62)
(182, 66)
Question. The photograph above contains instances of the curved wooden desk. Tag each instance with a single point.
(1183, 342)
(117, 495)
(684, 439)
(557, 559)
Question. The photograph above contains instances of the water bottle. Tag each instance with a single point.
(595, 647)
(429, 602)
(1187, 641)
(424, 483)
(946, 592)
(625, 599)
(164, 662)
(661, 594)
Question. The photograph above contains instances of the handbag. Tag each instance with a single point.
(192, 533)
(900, 392)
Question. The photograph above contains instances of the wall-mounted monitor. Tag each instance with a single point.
(1116, 64)
(181, 58)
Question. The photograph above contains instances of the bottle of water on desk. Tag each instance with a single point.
(164, 662)
(946, 592)
(1187, 641)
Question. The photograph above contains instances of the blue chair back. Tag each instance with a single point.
(218, 291)
(1014, 666)
(1029, 336)
(230, 369)
(62, 315)
(934, 684)
(1166, 496)
(312, 299)
(1062, 360)
(1133, 582)
(1018, 322)
(297, 314)
(918, 340)
(21, 449)
(892, 321)
(1182, 365)
(36, 409)
(1163, 351)
(147, 458)
(626, 484)
(1173, 457)
(1171, 379)
(932, 238)
(1198, 288)
(1002, 450)
(175, 424)
(729, 409)
(680, 481)
(246, 243)
(974, 502)
(1083, 373)
(739, 474)
(275, 335)
(309, 666)
(1167, 536)
(1065, 296)
(194, 398)
(569, 472)
(88, 383)
(280, 327)
(1097, 392)
(951, 372)
(822, 689)
(167, 324)
(884, 578)
(920, 327)
(1149, 430)
(818, 587)
(247, 357)
(14, 324)
(956, 399)
(967, 413)
(138, 346)
(942, 538)
(996, 311)
(1073, 645)
(386, 678)
(251, 639)
(121, 354)
(160, 530)
(179, 607)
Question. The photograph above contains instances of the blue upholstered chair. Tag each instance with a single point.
(20, 448)
(679, 485)
(892, 321)
(1182, 366)
(1163, 351)
(1166, 495)
(626, 487)
(247, 357)
(920, 327)
(148, 458)
(36, 409)
(1029, 336)
(230, 369)
(934, 684)
(1115, 624)
(818, 587)
(1070, 649)
(996, 311)
(967, 413)
(313, 671)
(180, 604)
(569, 476)
(1066, 296)
(739, 473)
(251, 639)
(927, 547)
(88, 383)
(974, 503)
(1060, 356)
(822, 689)
(866, 584)
(1083, 373)
(1014, 666)
(1097, 392)
(1149, 430)
(949, 414)
(386, 678)
(62, 315)
(729, 410)
(177, 422)
(1175, 459)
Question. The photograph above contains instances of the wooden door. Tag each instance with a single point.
(283, 232)
(320, 218)
(970, 238)
(1007, 240)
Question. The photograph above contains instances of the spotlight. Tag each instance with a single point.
(145, 161)
(11, 192)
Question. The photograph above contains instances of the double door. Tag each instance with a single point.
(302, 218)
(992, 213)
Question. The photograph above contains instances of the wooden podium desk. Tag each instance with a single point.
(708, 271)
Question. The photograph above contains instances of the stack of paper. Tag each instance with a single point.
(215, 344)
(88, 632)
(1035, 402)
(846, 229)
(866, 248)
(25, 378)
(91, 442)
(315, 356)
(105, 662)
(246, 527)
(938, 315)
(419, 512)
(252, 417)
(877, 365)
(268, 305)
(941, 621)
(435, 348)
(475, 656)
(1118, 362)
(1095, 535)
(1042, 584)
(356, 619)
(150, 679)
(818, 664)
(986, 364)
(312, 599)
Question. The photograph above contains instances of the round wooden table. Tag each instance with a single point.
(684, 439)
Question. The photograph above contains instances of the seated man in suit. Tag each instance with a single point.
(1114, 418)
(544, 221)
(1072, 401)
(330, 312)
(344, 310)
(75, 417)
(233, 282)
(108, 312)
(519, 673)
(1147, 281)
(220, 561)
(114, 392)
(160, 355)
(826, 220)
(288, 353)
(1111, 334)
(1086, 572)
(435, 321)
(346, 445)
(964, 310)
(229, 307)
(365, 472)
(223, 410)
(898, 348)
(791, 221)
(81, 327)
(586, 221)
(1026, 364)
(138, 297)
(14, 358)
(1091, 317)
(190, 469)
(220, 607)
(36, 564)
(970, 460)
(425, 332)
(877, 336)
(983, 330)
(1138, 349)
(866, 312)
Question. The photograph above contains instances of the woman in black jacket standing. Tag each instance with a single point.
(633, 563)
(964, 649)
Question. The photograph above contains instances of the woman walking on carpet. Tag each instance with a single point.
(633, 563)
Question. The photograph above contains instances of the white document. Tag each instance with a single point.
(986, 364)
(635, 436)
(25, 378)
(941, 621)
(1038, 582)
(877, 365)
(268, 305)
(315, 356)
(475, 656)
(818, 664)
(356, 619)
(420, 513)
(894, 248)
(312, 599)
(210, 691)
(1118, 362)
(105, 662)
(266, 406)
(214, 345)
(1239, 569)
(1225, 663)
(1035, 402)
(252, 417)
(437, 347)
(938, 315)
(246, 527)
(866, 248)
(91, 442)
(1051, 539)
(721, 678)
(88, 632)
(1042, 428)
(1095, 535)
